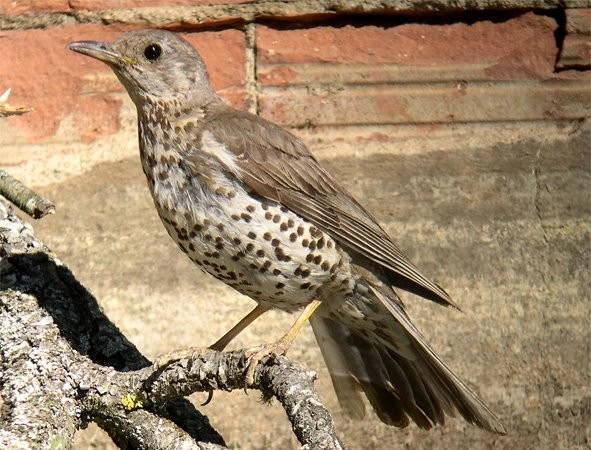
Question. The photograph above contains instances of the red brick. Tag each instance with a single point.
(16, 7)
(424, 104)
(520, 48)
(57, 83)
(576, 47)
(120, 4)
(417, 73)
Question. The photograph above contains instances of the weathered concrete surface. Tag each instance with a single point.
(504, 225)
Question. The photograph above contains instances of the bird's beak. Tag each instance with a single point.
(100, 51)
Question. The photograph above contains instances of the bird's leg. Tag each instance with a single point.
(220, 344)
(281, 346)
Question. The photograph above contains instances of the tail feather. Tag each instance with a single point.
(400, 385)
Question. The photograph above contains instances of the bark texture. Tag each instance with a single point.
(63, 364)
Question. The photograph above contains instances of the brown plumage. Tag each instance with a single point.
(248, 203)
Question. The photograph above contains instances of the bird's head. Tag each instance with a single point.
(154, 66)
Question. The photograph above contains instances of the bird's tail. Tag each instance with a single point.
(370, 346)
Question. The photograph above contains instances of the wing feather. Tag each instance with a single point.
(277, 165)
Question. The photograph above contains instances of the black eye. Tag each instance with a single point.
(152, 52)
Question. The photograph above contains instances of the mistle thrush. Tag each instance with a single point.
(249, 204)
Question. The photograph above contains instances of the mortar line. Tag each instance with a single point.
(252, 99)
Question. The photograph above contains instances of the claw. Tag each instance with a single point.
(256, 354)
(209, 398)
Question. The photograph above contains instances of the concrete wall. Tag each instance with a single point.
(463, 126)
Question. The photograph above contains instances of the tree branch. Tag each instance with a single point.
(63, 363)
(23, 197)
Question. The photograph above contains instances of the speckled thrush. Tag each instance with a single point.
(249, 204)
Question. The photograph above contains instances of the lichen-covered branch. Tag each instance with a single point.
(23, 197)
(63, 363)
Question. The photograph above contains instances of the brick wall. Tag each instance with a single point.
(462, 125)
(306, 64)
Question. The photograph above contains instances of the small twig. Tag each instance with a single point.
(23, 197)
(9, 110)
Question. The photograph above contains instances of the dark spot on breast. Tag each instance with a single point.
(300, 230)
(298, 271)
(251, 208)
(238, 256)
(334, 268)
(283, 226)
(197, 227)
(252, 235)
(320, 243)
(306, 273)
(265, 206)
(220, 226)
(219, 246)
(267, 236)
(215, 255)
(317, 259)
(305, 285)
(246, 217)
(284, 209)
(232, 275)
(315, 232)
(237, 241)
(260, 253)
(235, 217)
(220, 191)
(290, 223)
(276, 272)
(268, 215)
(325, 265)
(249, 247)
(305, 242)
(309, 257)
(293, 237)
(253, 266)
(276, 218)
(275, 242)
(192, 234)
(231, 194)
(279, 285)
(191, 247)
(312, 245)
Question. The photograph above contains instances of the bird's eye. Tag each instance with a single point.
(152, 52)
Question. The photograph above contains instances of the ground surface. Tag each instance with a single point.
(497, 215)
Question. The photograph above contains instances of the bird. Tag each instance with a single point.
(247, 202)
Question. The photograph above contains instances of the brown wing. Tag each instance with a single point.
(278, 166)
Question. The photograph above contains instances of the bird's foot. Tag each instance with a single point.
(254, 355)
(167, 359)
